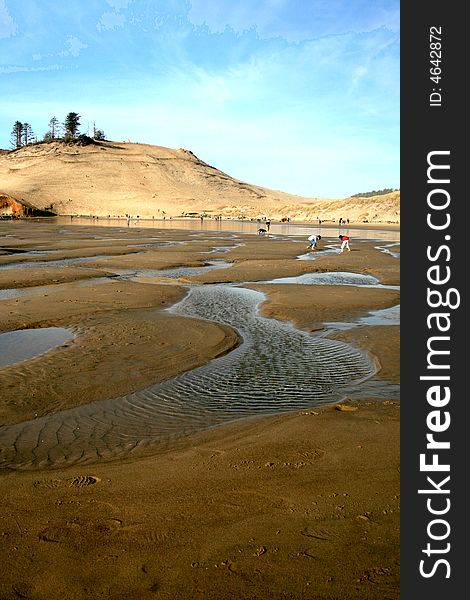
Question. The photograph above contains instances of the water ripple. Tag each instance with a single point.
(276, 368)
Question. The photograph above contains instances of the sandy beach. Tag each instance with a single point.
(298, 505)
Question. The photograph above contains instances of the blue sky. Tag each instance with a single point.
(295, 95)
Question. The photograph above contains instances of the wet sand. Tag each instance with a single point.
(303, 505)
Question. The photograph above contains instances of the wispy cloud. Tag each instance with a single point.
(22, 69)
(119, 4)
(8, 26)
(295, 20)
(73, 47)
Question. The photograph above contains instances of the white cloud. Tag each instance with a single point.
(8, 26)
(21, 69)
(217, 16)
(111, 21)
(236, 84)
(119, 4)
(75, 46)
(295, 20)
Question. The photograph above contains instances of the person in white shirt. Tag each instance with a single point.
(313, 239)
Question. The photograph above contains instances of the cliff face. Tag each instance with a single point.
(10, 207)
(115, 179)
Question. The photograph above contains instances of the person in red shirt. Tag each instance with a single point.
(344, 242)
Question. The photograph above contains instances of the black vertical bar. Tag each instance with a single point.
(434, 210)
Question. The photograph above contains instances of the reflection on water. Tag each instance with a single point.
(238, 226)
(324, 251)
(63, 262)
(172, 273)
(383, 316)
(386, 316)
(332, 278)
(386, 250)
(10, 293)
(17, 346)
(276, 368)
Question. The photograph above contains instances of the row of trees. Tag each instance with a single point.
(374, 193)
(22, 133)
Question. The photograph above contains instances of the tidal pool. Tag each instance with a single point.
(330, 278)
(24, 344)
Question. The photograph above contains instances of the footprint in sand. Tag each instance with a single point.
(83, 480)
(77, 481)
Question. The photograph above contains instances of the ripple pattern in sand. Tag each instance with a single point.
(276, 368)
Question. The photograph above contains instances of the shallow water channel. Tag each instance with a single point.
(276, 368)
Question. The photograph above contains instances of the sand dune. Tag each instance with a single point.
(118, 178)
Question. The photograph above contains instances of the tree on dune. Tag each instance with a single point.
(54, 130)
(23, 135)
(71, 125)
(28, 134)
(17, 135)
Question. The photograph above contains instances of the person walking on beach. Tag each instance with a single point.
(313, 239)
(344, 242)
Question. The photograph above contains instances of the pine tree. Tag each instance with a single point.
(54, 128)
(17, 135)
(28, 134)
(71, 125)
